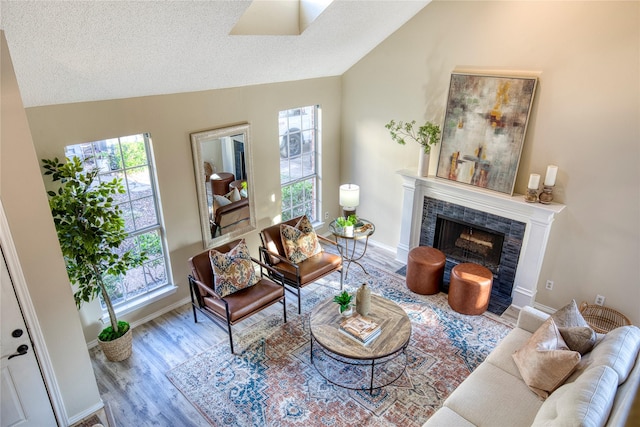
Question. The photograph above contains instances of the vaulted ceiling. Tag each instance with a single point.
(76, 51)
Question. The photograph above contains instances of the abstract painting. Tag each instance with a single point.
(484, 129)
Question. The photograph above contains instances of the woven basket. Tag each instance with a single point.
(603, 319)
(118, 349)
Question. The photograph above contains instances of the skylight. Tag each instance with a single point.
(279, 17)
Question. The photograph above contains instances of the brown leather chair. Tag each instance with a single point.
(231, 217)
(296, 276)
(238, 306)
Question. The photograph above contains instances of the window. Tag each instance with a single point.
(129, 158)
(299, 143)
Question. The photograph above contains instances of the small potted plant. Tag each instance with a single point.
(347, 224)
(426, 135)
(344, 303)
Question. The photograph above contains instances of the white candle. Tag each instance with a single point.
(550, 178)
(534, 181)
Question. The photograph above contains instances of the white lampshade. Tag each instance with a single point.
(349, 195)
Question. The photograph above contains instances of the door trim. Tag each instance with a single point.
(29, 313)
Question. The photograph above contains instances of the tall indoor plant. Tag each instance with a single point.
(427, 135)
(90, 229)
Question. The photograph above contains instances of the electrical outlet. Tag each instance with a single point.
(599, 300)
(549, 285)
(326, 215)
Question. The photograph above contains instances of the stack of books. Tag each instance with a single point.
(362, 329)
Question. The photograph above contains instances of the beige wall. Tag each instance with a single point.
(585, 119)
(169, 119)
(25, 203)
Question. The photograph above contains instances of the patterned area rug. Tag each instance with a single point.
(271, 382)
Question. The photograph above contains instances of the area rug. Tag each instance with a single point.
(271, 382)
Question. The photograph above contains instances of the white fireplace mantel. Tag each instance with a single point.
(537, 217)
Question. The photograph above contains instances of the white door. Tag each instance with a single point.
(25, 401)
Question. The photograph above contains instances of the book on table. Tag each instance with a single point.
(360, 328)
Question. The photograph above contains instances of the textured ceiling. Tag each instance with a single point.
(75, 51)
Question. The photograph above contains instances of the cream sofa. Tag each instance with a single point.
(599, 392)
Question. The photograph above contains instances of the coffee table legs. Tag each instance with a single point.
(363, 364)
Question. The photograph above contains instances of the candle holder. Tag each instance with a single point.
(547, 194)
(531, 196)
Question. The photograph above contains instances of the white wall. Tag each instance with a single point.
(585, 119)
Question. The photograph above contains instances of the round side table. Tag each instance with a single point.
(362, 231)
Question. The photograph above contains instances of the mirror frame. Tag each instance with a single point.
(197, 139)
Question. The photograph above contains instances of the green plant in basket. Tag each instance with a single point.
(91, 230)
(343, 300)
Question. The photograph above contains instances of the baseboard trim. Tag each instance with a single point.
(163, 310)
(86, 413)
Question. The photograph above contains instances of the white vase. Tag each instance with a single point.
(348, 231)
(423, 163)
(348, 312)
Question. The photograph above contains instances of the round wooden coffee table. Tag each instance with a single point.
(347, 363)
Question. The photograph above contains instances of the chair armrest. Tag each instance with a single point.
(267, 253)
(272, 270)
(201, 285)
(327, 241)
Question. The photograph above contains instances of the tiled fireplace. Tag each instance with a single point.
(503, 232)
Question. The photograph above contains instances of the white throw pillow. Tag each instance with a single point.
(233, 195)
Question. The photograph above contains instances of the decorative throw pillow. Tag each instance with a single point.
(233, 195)
(299, 242)
(545, 361)
(575, 331)
(569, 316)
(233, 270)
(221, 200)
(579, 338)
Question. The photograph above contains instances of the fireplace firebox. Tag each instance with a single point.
(464, 242)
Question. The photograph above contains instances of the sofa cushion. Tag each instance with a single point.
(579, 338)
(502, 355)
(618, 349)
(233, 270)
(545, 361)
(487, 398)
(586, 402)
(299, 242)
(445, 417)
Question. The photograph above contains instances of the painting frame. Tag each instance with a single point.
(484, 129)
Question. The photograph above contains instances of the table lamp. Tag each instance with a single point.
(349, 198)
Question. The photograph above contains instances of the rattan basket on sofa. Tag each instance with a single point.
(603, 319)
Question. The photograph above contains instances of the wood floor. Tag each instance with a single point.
(137, 393)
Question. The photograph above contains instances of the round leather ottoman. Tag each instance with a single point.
(470, 288)
(425, 268)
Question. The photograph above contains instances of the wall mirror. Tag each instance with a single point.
(224, 183)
